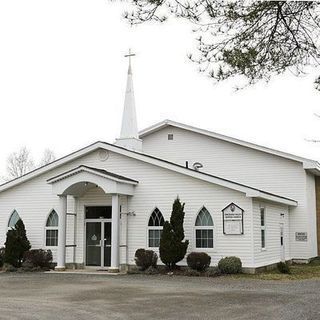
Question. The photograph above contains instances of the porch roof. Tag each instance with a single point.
(105, 173)
(80, 179)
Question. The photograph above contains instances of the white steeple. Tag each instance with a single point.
(129, 137)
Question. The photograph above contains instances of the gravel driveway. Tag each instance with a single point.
(68, 296)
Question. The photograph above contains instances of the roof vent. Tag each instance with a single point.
(197, 165)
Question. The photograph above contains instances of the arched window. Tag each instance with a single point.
(155, 227)
(52, 229)
(204, 229)
(13, 219)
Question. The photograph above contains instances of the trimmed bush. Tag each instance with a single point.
(37, 258)
(151, 270)
(192, 273)
(145, 259)
(213, 272)
(283, 267)
(1, 257)
(230, 265)
(199, 261)
(7, 267)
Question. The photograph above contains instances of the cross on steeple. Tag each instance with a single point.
(129, 135)
(129, 55)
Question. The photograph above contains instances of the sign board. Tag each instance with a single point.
(232, 219)
(302, 236)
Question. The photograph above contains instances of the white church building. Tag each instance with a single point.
(96, 206)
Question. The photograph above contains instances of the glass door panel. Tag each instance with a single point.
(107, 244)
(93, 244)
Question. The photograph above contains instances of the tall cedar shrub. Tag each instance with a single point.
(1, 257)
(172, 247)
(16, 245)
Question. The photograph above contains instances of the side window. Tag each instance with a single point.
(263, 227)
(204, 229)
(155, 226)
(52, 229)
(13, 219)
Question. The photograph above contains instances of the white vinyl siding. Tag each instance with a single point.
(157, 187)
(275, 215)
(311, 217)
(248, 166)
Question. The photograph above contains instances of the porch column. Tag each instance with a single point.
(61, 258)
(115, 234)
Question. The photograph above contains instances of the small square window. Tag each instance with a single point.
(204, 238)
(154, 238)
(262, 217)
(51, 238)
(263, 227)
(170, 136)
(263, 239)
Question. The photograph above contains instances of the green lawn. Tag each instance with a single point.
(298, 272)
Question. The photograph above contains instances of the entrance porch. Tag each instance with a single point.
(101, 218)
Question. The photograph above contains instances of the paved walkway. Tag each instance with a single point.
(79, 296)
(85, 272)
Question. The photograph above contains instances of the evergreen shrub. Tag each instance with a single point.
(145, 259)
(192, 273)
(38, 258)
(151, 270)
(199, 261)
(283, 267)
(9, 268)
(213, 272)
(172, 247)
(16, 245)
(230, 265)
(1, 257)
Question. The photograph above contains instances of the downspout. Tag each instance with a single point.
(75, 230)
(252, 233)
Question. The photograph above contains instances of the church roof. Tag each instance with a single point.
(249, 191)
(308, 164)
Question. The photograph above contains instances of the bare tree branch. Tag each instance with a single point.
(48, 157)
(19, 163)
(251, 39)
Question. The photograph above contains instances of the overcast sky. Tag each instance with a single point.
(63, 75)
